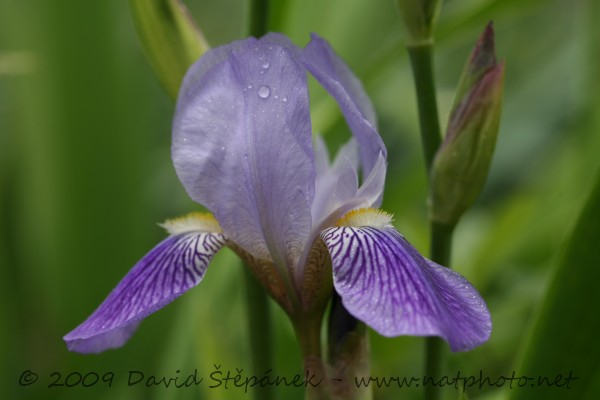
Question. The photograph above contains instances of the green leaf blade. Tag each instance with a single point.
(170, 37)
(564, 341)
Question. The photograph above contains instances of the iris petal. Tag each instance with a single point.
(174, 266)
(336, 183)
(386, 283)
(337, 193)
(242, 146)
(335, 76)
(337, 190)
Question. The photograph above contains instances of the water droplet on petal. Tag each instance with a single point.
(264, 92)
(249, 86)
(265, 65)
(284, 99)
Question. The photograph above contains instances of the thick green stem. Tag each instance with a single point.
(259, 326)
(258, 17)
(441, 243)
(259, 316)
(421, 59)
(308, 332)
(441, 247)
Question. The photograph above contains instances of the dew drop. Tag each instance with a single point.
(264, 92)
(249, 86)
(265, 65)
(284, 99)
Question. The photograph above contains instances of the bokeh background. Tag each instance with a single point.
(85, 174)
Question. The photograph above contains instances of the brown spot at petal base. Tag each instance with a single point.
(318, 282)
(267, 275)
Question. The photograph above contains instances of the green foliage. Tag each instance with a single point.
(171, 39)
(564, 339)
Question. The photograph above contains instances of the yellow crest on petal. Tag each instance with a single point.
(366, 217)
(192, 222)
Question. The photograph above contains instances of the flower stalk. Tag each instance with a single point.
(258, 17)
(440, 252)
(419, 44)
(421, 58)
(257, 302)
(260, 331)
(308, 332)
(458, 166)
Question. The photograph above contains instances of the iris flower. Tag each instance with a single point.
(243, 148)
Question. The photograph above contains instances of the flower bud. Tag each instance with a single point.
(419, 19)
(462, 163)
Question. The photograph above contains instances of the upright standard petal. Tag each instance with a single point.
(331, 72)
(242, 147)
(386, 283)
(174, 266)
(336, 188)
(337, 191)
(335, 183)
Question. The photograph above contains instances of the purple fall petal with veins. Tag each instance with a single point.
(174, 266)
(386, 283)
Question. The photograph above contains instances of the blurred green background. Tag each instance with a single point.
(85, 174)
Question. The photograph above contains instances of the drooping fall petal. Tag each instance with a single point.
(387, 284)
(174, 266)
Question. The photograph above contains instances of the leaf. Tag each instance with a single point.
(170, 37)
(563, 352)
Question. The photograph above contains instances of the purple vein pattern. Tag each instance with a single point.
(386, 283)
(171, 268)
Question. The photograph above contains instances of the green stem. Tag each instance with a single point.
(308, 332)
(259, 325)
(421, 59)
(258, 17)
(441, 243)
(259, 316)
(441, 248)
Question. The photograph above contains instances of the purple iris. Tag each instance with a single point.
(243, 148)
